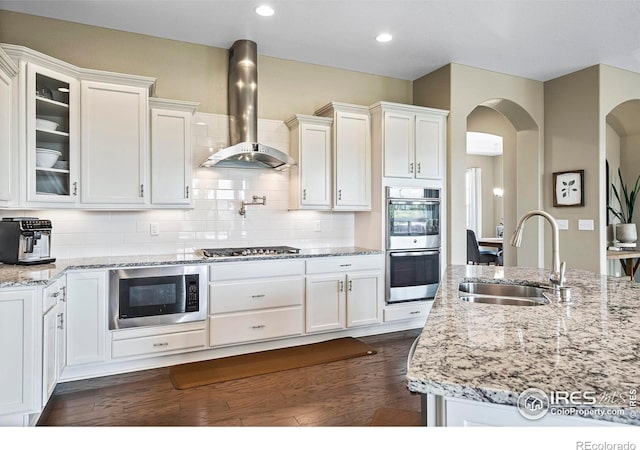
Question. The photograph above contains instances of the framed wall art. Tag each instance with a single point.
(568, 188)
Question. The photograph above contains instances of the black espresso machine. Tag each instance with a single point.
(25, 241)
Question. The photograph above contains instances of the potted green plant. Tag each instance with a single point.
(625, 231)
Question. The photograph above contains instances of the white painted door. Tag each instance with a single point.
(52, 125)
(86, 317)
(170, 157)
(325, 303)
(17, 352)
(114, 144)
(315, 162)
(6, 120)
(430, 141)
(364, 298)
(352, 162)
(49, 348)
(398, 144)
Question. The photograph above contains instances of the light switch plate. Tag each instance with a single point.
(585, 225)
(563, 224)
(154, 229)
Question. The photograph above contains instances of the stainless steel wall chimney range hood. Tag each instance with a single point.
(245, 151)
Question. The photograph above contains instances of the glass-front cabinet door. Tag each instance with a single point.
(52, 136)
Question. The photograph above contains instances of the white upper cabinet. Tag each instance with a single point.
(310, 146)
(115, 148)
(399, 144)
(351, 156)
(412, 141)
(52, 136)
(8, 72)
(171, 150)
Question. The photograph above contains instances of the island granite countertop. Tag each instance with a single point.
(492, 353)
(43, 274)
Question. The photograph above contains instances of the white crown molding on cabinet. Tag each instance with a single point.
(23, 53)
(7, 65)
(176, 105)
(407, 108)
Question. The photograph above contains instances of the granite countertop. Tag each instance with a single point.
(492, 353)
(43, 274)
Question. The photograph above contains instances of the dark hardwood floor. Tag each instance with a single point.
(342, 393)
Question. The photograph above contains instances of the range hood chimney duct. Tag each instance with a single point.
(245, 151)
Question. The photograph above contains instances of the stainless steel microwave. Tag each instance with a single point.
(157, 295)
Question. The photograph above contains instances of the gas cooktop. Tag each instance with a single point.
(248, 251)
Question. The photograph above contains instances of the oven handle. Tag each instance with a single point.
(431, 252)
(416, 201)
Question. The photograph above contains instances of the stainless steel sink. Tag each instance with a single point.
(510, 301)
(502, 294)
(503, 290)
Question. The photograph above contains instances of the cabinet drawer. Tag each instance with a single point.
(255, 269)
(410, 310)
(50, 295)
(259, 294)
(345, 264)
(255, 326)
(157, 344)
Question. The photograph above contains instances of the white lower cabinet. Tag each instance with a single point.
(343, 292)
(86, 317)
(254, 301)
(18, 352)
(151, 341)
(53, 336)
(407, 311)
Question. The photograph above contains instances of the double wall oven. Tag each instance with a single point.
(413, 243)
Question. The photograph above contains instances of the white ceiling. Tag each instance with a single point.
(537, 39)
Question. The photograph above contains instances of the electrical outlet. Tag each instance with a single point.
(154, 229)
(585, 225)
(563, 224)
(317, 226)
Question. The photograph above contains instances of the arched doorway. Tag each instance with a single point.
(521, 153)
(622, 151)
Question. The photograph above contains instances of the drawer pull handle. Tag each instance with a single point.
(414, 312)
(345, 265)
(257, 327)
(341, 285)
(161, 344)
(61, 324)
(55, 294)
(350, 285)
(258, 296)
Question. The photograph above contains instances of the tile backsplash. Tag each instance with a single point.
(214, 221)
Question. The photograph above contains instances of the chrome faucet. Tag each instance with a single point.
(557, 275)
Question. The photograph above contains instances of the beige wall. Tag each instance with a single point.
(490, 173)
(198, 73)
(572, 143)
(465, 88)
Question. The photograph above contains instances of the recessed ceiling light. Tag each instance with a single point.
(265, 11)
(384, 37)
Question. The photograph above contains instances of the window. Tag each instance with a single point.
(474, 200)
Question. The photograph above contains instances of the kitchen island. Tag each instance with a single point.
(472, 361)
